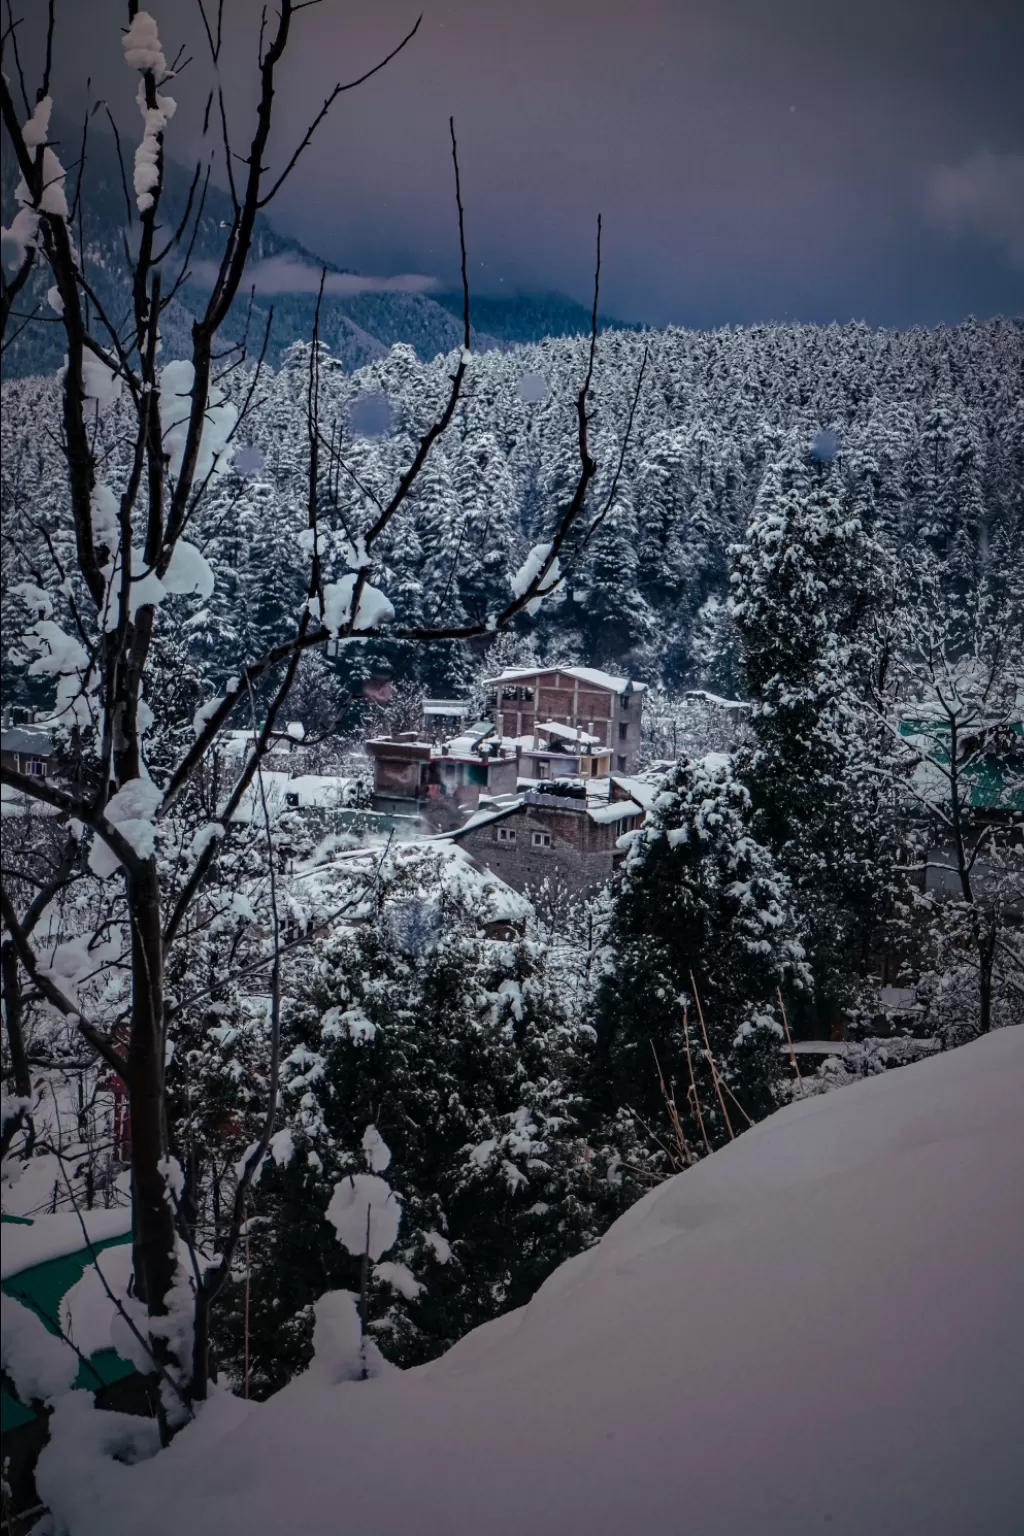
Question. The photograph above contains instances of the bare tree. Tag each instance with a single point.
(96, 623)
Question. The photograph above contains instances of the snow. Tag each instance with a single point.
(637, 789)
(87, 1312)
(100, 382)
(365, 1213)
(104, 507)
(615, 810)
(439, 1246)
(583, 674)
(206, 835)
(375, 1150)
(818, 1328)
(147, 156)
(131, 811)
(51, 1237)
(141, 44)
(177, 380)
(188, 571)
(39, 1363)
(374, 608)
(530, 570)
(399, 1278)
(568, 733)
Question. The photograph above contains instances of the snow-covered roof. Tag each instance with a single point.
(615, 810)
(317, 789)
(36, 1241)
(583, 674)
(738, 706)
(637, 789)
(569, 733)
(22, 738)
(451, 707)
(483, 818)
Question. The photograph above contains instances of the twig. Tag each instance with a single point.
(692, 1093)
(789, 1042)
(711, 1060)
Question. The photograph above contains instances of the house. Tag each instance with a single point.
(438, 780)
(445, 715)
(605, 707)
(553, 832)
(285, 748)
(28, 750)
(556, 751)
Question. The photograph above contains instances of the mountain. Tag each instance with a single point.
(356, 327)
(529, 317)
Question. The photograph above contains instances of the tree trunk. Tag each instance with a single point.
(153, 1227)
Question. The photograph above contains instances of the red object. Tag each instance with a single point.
(378, 690)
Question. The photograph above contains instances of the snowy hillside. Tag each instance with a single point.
(817, 1329)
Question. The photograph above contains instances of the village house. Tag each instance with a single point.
(440, 780)
(554, 832)
(27, 749)
(606, 708)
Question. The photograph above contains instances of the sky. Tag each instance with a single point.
(752, 160)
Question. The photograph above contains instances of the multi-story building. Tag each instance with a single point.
(414, 776)
(606, 708)
(553, 833)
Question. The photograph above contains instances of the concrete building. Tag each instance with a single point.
(605, 707)
(552, 833)
(439, 781)
(557, 751)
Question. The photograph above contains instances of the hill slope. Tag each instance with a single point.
(818, 1328)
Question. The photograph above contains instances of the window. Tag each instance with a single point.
(34, 767)
(620, 763)
(593, 766)
(540, 839)
(623, 731)
(506, 834)
(624, 701)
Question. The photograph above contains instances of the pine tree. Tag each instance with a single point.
(702, 926)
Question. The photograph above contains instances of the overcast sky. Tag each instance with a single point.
(752, 159)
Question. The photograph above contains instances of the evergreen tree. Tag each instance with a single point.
(702, 927)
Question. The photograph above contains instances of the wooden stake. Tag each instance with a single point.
(711, 1060)
(789, 1042)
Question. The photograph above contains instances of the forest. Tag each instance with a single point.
(299, 1059)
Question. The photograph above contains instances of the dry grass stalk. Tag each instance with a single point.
(711, 1060)
(672, 1112)
(789, 1042)
(691, 1093)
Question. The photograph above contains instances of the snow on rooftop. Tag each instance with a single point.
(52, 1236)
(615, 810)
(568, 733)
(583, 674)
(816, 1329)
(637, 789)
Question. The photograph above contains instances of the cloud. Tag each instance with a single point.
(982, 196)
(284, 274)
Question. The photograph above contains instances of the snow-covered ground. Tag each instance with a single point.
(819, 1329)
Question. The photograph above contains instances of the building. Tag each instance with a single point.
(28, 750)
(605, 707)
(557, 751)
(551, 833)
(440, 780)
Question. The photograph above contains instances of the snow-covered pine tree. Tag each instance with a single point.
(463, 1052)
(804, 585)
(703, 915)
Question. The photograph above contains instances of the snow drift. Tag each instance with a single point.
(817, 1329)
